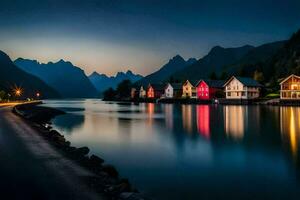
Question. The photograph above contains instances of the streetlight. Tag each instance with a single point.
(18, 91)
(38, 94)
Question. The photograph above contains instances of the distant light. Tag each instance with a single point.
(38, 94)
(18, 92)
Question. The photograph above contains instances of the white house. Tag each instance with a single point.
(173, 90)
(168, 91)
(242, 88)
(142, 93)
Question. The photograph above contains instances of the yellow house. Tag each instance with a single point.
(189, 89)
(290, 88)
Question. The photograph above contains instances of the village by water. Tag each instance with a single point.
(178, 151)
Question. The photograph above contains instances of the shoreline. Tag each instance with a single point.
(259, 101)
(107, 180)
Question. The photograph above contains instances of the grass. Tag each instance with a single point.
(273, 95)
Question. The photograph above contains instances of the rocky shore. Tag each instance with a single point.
(106, 180)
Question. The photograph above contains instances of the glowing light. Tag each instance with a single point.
(293, 135)
(18, 91)
(150, 112)
(235, 121)
(187, 118)
(290, 126)
(38, 94)
(203, 120)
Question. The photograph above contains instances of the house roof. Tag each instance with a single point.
(193, 82)
(213, 83)
(287, 78)
(176, 86)
(157, 86)
(245, 81)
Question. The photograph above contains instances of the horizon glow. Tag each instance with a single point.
(108, 36)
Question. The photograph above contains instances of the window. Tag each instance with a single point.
(229, 94)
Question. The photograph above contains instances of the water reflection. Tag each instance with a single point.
(203, 120)
(187, 118)
(234, 121)
(69, 122)
(150, 111)
(167, 145)
(169, 116)
(290, 128)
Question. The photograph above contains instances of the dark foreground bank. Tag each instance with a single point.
(106, 179)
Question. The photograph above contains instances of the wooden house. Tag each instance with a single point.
(189, 89)
(155, 91)
(173, 90)
(209, 89)
(142, 92)
(290, 88)
(242, 88)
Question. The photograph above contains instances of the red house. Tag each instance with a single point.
(209, 89)
(155, 90)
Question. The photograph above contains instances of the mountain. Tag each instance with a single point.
(214, 61)
(255, 59)
(102, 82)
(70, 81)
(286, 61)
(11, 76)
(166, 71)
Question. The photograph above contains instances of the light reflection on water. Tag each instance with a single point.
(192, 151)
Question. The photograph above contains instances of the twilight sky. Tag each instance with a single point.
(115, 35)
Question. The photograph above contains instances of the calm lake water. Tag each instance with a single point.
(192, 151)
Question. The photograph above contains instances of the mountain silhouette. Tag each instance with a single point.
(165, 72)
(255, 59)
(102, 82)
(214, 61)
(70, 81)
(11, 76)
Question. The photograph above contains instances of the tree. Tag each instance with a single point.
(224, 76)
(109, 94)
(124, 89)
(2, 95)
(242, 72)
(258, 76)
(171, 80)
(213, 76)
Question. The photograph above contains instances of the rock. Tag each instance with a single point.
(131, 196)
(120, 188)
(68, 143)
(83, 150)
(78, 153)
(96, 161)
(110, 170)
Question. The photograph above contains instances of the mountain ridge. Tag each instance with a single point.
(12, 76)
(165, 72)
(102, 82)
(62, 75)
